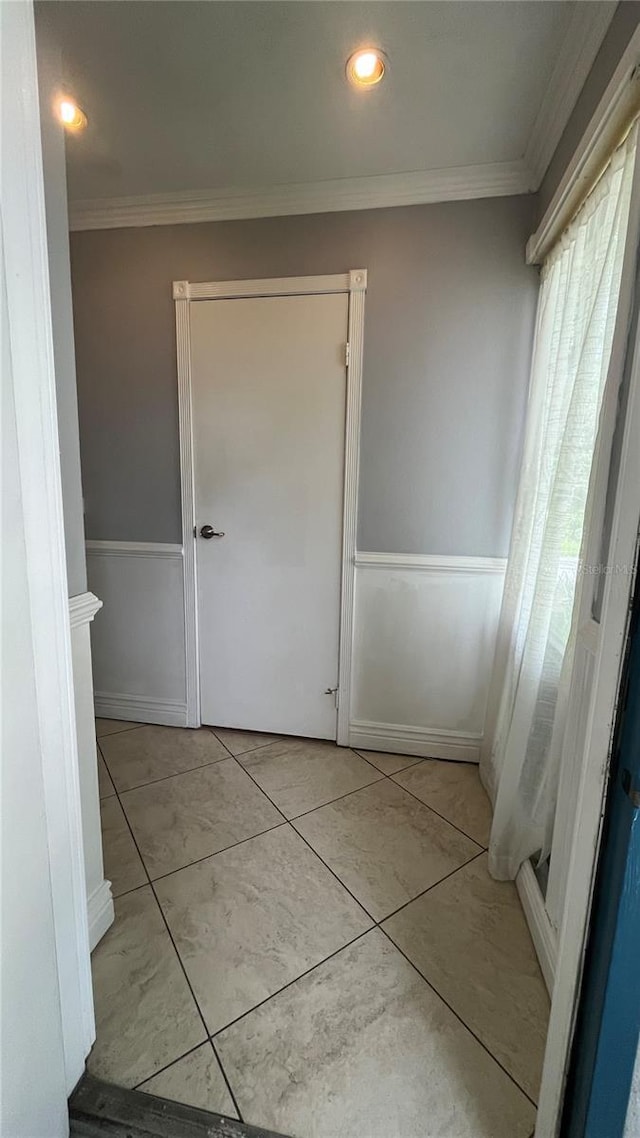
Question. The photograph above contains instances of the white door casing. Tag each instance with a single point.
(269, 433)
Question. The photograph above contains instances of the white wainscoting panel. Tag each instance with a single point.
(82, 610)
(424, 638)
(138, 639)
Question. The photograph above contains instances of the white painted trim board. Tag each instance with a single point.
(419, 187)
(432, 562)
(133, 549)
(543, 935)
(401, 739)
(141, 709)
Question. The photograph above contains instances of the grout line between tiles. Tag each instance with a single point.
(164, 777)
(458, 1016)
(347, 793)
(376, 924)
(123, 730)
(415, 763)
(233, 846)
(250, 750)
(181, 964)
(443, 816)
(290, 983)
(161, 1070)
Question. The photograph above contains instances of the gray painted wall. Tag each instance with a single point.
(55, 190)
(449, 320)
(624, 23)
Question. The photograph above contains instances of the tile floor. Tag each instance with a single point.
(307, 938)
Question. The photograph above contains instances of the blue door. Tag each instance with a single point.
(608, 1025)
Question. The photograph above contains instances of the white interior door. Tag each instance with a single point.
(268, 404)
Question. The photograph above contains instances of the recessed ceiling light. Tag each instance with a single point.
(366, 67)
(71, 115)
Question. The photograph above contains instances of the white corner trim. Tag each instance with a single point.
(587, 28)
(133, 549)
(82, 608)
(620, 101)
(419, 187)
(141, 709)
(404, 740)
(430, 562)
(542, 932)
(101, 913)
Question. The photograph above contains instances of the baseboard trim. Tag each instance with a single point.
(141, 709)
(101, 913)
(542, 932)
(402, 740)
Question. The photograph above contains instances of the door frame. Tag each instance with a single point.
(30, 337)
(185, 293)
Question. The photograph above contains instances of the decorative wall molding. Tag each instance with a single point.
(353, 281)
(101, 913)
(82, 608)
(424, 638)
(420, 187)
(141, 709)
(587, 28)
(133, 549)
(427, 562)
(542, 932)
(404, 740)
(138, 639)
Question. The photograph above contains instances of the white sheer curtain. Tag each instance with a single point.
(574, 329)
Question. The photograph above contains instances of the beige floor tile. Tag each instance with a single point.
(300, 774)
(105, 784)
(139, 757)
(384, 845)
(361, 1045)
(112, 726)
(239, 742)
(146, 1016)
(250, 920)
(455, 791)
(468, 936)
(122, 865)
(388, 763)
(196, 1080)
(187, 817)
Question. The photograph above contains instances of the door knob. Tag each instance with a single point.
(208, 532)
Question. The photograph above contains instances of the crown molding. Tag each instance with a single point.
(587, 28)
(457, 183)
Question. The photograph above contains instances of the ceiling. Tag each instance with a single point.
(235, 98)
